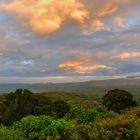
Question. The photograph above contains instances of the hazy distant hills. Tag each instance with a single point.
(88, 86)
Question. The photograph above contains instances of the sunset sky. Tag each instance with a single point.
(68, 40)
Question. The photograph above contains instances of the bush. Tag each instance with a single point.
(8, 133)
(83, 115)
(118, 100)
(40, 127)
(125, 126)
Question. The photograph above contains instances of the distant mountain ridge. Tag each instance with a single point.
(87, 86)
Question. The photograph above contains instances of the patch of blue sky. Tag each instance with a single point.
(115, 28)
(132, 22)
(3, 17)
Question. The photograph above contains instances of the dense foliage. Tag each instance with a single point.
(48, 119)
(23, 102)
(110, 126)
(118, 100)
(84, 115)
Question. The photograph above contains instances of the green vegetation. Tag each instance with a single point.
(23, 102)
(107, 126)
(118, 100)
(46, 117)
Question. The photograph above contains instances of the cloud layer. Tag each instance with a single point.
(71, 40)
(46, 16)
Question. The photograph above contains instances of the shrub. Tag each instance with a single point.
(118, 100)
(125, 126)
(83, 115)
(8, 133)
(35, 127)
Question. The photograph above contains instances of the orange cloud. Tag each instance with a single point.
(97, 24)
(78, 67)
(46, 16)
(127, 55)
(70, 64)
(108, 9)
(93, 67)
(119, 21)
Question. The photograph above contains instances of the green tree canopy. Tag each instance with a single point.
(118, 100)
(23, 102)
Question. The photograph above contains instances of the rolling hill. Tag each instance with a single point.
(98, 86)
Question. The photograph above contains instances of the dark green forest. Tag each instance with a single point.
(69, 116)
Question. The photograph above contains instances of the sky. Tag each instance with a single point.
(68, 40)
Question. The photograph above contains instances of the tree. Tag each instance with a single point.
(16, 105)
(118, 100)
(60, 108)
(23, 102)
(43, 105)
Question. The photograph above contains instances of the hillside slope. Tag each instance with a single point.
(88, 86)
